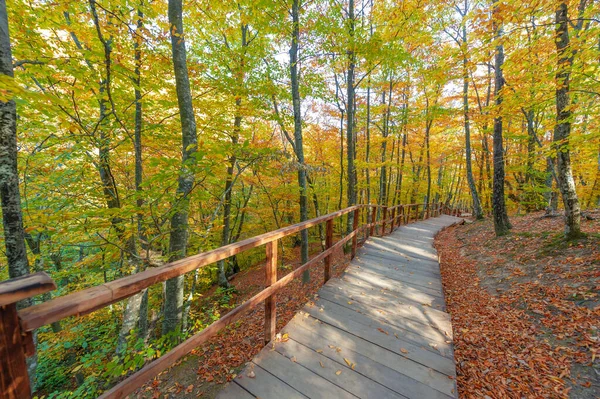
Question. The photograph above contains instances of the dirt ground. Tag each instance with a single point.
(525, 308)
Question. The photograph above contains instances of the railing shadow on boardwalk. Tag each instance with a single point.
(16, 327)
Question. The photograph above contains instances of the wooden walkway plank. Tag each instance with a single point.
(338, 373)
(331, 315)
(420, 265)
(378, 331)
(375, 265)
(263, 384)
(299, 377)
(402, 293)
(415, 332)
(386, 282)
(417, 381)
(233, 390)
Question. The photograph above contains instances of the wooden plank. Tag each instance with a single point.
(328, 244)
(92, 299)
(378, 280)
(374, 261)
(427, 337)
(299, 377)
(401, 294)
(270, 279)
(373, 266)
(265, 385)
(398, 373)
(233, 391)
(433, 283)
(411, 251)
(332, 315)
(400, 263)
(17, 289)
(377, 305)
(351, 380)
(354, 228)
(373, 220)
(426, 315)
(397, 257)
(14, 379)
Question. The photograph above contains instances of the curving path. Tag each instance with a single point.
(379, 331)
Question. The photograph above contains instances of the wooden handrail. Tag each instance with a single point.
(91, 299)
(15, 328)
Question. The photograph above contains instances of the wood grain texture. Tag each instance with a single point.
(14, 380)
(270, 303)
(16, 289)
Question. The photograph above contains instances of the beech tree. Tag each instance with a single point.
(178, 240)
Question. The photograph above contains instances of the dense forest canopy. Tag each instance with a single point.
(150, 130)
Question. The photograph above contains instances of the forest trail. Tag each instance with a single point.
(380, 330)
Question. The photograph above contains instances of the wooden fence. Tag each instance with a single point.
(16, 327)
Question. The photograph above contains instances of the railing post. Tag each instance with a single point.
(384, 220)
(14, 379)
(328, 244)
(373, 220)
(14, 345)
(354, 229)
(270, 279)
(393, 220)
(417, 212)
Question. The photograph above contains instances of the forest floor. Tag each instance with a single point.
(202, 373)
(525, 308)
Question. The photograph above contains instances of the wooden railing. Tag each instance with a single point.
(16, 327)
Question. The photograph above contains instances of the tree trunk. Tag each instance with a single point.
(143, 308)
(178, 239)
(501, 222)
(237, 126)
(298, 145)
(478, 212)
(562, 129)
(350, 148)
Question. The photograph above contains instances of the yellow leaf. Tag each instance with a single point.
(321, 363)
(338, 372)
(348, 362)
(403, 350)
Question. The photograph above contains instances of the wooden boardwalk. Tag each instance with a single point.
(379, 331)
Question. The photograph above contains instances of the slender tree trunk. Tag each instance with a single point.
(501, 222)
(383, 198)
(350, 148)
(478, 212)
(143, 311)
(178, 240)
(110, 190)
(294, 73)
(368, 147)
(237, 126)
(562, 129)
